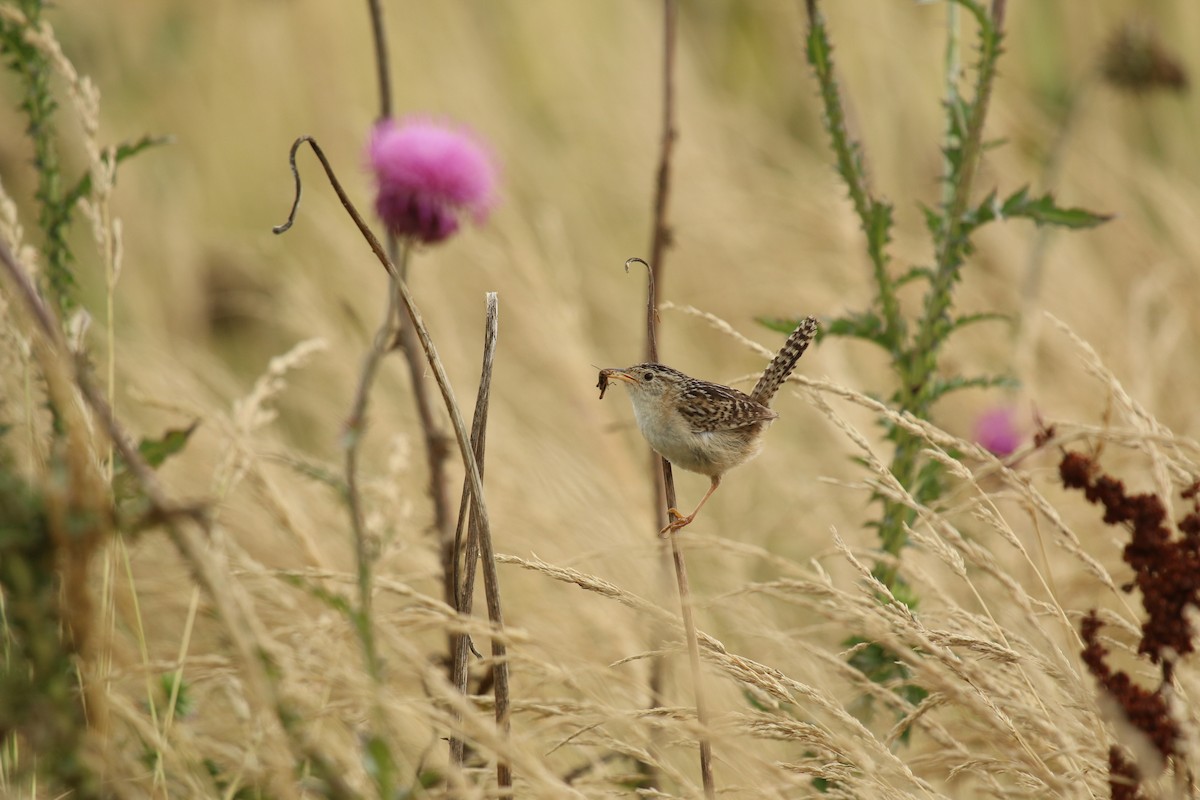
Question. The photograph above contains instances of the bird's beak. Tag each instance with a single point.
(618, 375)
(608, 374)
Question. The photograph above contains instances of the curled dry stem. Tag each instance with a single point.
(474, 480)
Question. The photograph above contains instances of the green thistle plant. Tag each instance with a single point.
(914, 345)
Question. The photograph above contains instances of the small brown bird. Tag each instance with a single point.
(706, 427)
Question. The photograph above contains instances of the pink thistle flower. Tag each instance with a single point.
(996, 429)
(428, 176)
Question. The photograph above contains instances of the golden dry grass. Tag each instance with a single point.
(567, 95)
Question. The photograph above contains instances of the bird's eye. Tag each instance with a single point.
(648, 376)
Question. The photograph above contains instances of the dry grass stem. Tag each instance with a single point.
(479, 543)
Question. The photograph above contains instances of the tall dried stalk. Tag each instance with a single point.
(455, 593)
(476, 543)
(681, 576)
(660, 468)
(479, 506)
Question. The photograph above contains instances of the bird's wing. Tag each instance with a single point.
(710, 407)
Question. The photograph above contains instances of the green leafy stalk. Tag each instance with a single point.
(124, 150)
(953, 239)
(915, 356)
(875, 216)
(40, 705)
(56, 204)
(39, 105)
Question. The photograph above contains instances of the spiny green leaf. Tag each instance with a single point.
(978, 11)
(972, 319)
(124, 150)
(879, 234)
(779, 324)
(183, 698)
(1041, 210)
(379, 764)
(993, 144)
(929, 483)
(1044, 211)
(935, 223)
(756, 704)
(322, 474)
(426, 779)
(335, 602)
(156, 451)
(944, 386)
(912, 274)
(859, 325)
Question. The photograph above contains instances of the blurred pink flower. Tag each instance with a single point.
(427, 176)
(996, 429)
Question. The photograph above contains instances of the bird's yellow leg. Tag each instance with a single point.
(678, 520)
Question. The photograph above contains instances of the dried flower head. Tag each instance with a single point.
(1136, 60)
(428, 175)
(996, 429)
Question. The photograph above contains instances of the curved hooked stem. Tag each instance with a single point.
(363, 228)
(651, 308)
(666, 487)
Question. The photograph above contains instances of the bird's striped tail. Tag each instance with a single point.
(785, 361)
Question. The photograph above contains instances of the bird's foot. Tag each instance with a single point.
(678, 521)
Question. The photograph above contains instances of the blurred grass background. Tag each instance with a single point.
(568, 96)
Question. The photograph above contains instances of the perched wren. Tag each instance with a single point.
(705, 427)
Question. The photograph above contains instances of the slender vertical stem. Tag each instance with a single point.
(664, 479)
(364, 622)
(352, 438)
(693, 645)
(437, 448)
(873, 213)
(661, 237)
(435, 440)
(681, 580)
(951, 245)
(382, 70)
(953, 70)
